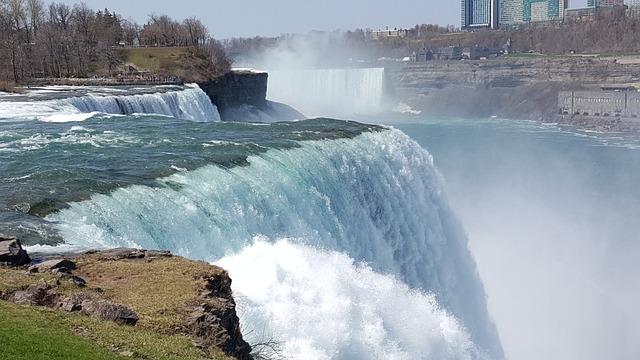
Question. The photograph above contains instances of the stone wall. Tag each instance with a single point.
(599, 103)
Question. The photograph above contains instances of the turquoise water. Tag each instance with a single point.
(426, 239)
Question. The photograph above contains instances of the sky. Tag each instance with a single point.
(227, 19)
(248, 18)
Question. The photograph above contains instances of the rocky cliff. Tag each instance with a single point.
(236, 89)
(158, 294)
(508, 88)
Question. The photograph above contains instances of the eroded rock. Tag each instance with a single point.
(11, 252)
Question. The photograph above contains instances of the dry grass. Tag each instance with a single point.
(158, 291)
(161, 292)
(9, 86)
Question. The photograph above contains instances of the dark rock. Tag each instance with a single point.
(127, 253)
(108, 310)
(36, 294)
(77, 280)
(237, 88)
(154, 254)
(11, 252)
(60, 265)
(218, 325)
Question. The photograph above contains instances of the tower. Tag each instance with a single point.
(479, 14)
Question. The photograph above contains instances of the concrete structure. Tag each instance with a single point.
(395, 33)
(604, 3)
(600, 103)
(479, 14)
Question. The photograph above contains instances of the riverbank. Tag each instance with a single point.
(513, 88)
(114, 303)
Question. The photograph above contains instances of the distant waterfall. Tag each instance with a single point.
(189, 104)
(330, 92)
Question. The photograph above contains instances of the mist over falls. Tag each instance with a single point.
(341, 92)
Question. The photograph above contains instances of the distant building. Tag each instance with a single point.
(449, 53)
(604, 3)
(543, 10)
(479, 14)
(395, 33)
(423, 54)
(511, 12)
(633, 8)
(517, 12)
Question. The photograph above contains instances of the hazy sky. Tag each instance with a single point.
(246, 18)
(249, 18)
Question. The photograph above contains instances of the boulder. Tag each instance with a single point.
(11, 252)
(59, 265)
(40, 294)
(108, 310)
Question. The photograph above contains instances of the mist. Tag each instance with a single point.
(332, 74)
(551, 223)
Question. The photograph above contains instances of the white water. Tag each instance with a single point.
(376, 198)
(330, 92)
(328, 307)
(189, 104)
(61, 104)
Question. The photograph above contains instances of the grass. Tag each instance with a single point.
(41, 333)
(185, 62)
(159, 291)
(154, 58)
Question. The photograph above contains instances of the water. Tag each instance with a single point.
(551, 214)
(331, 92)
(343, 239)
(363, 199)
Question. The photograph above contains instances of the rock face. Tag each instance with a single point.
(11, 252)
(111, 284)
(507, 88)
(236, 89)
(219, 325)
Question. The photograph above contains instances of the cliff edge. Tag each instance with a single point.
(160, 305)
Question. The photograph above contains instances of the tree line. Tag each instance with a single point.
(612, 31)
(59, 40)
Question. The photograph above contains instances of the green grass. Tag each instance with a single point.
(160, 292)
(31, 334)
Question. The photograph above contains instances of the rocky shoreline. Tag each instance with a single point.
(120, 285)
(519, 89)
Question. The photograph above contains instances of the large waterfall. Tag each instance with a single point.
(330, 92)
(375, 198)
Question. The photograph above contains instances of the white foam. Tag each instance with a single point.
(322, 305)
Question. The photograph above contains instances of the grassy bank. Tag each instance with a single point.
(163, 292)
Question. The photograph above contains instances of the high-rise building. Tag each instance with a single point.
(543, 10)
(511, 12)
(479, 14)
(514, 12)
(604, 3)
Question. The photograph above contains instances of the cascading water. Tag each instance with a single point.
(330, 92)
(376, 198)
(189, 104)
